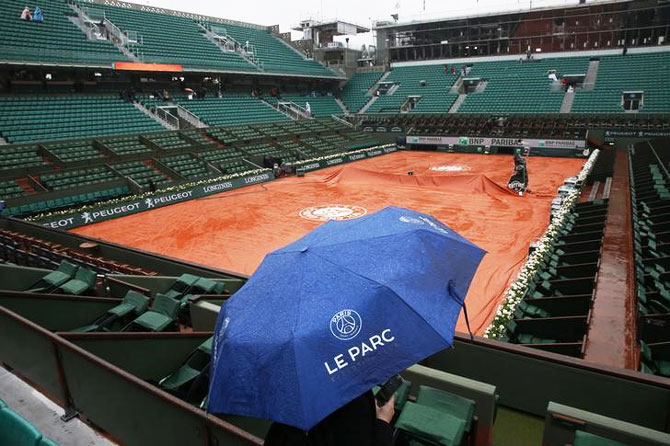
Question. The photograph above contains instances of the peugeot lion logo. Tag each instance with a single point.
(345, 325)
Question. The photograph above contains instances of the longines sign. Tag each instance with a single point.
(497, 142)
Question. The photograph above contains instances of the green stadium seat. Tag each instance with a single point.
(161, 314)
(450, 403)
(133, 303)
(193, 367)
(16, 431)
(427, 425)
(65, 272)
(84, 280)
(586, 439)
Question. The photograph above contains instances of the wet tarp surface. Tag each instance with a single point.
(234, 230)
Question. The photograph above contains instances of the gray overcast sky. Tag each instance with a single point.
(361, 12)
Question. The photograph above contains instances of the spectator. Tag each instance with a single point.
(26, 15)
(166, 96)
(38, 16)
(453, 69)
(625, 50)
(308, 110)
(446, 69)
(360, 422)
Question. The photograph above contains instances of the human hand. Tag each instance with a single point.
(385, 412)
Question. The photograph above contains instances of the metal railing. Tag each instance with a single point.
(190, 117)
(168, 117)
(293, 109)
(342, 121)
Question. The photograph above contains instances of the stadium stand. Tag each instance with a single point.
(39, 118)
(55, 40)
(21, 157)
(24, 250)
(434, 93)
(187, 166)
(76, 178)
(168, 142)
(554, 314)
(11, 189)
(320, 105)
(171, 39)
(649, 191)
(514, 87)
(232, 108)
(125, 146)
(354, 93)
(143, 174)
(635, 72)
(276, 56)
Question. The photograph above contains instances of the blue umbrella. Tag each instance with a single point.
(337, 312)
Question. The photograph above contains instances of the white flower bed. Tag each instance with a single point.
(530, 269)
(340, 154)
(176, 188)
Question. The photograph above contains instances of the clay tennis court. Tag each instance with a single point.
(234, 230)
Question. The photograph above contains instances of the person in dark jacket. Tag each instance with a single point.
(359, 423)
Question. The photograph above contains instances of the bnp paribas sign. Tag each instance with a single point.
(477, 141)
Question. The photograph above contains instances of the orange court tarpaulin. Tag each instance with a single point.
(234, 230)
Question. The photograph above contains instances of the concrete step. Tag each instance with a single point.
(568, 99)
(153, 116)
(591, 75)
(461, 98)
(366, 106)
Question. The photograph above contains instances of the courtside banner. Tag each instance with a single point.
(497, 142)
(344, 158)
(121, 209)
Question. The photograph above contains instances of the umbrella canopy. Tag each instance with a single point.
(337, 312)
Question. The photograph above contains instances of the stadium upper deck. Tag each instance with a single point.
(98, 34)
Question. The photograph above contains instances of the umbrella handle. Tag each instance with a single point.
(451, 287)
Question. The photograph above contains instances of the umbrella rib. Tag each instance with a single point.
(381, 285)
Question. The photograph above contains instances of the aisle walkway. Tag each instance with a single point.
(45, 415)
(611, 335)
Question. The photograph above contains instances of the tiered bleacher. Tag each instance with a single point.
(231, 109)
(76, 178)
(142, 173)
(130, 145)
(276, 56)
(40, 118)
(650, 200)
(635, 72)
(24, 250)
(514, 87)
(11, 189)
(21, 157)
(434, 92)
(354, 94)
(55, 40)
(188, 166)
(554, 313)
(320, 105)
(172, 39)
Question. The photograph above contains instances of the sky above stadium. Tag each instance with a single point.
(361, 12)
